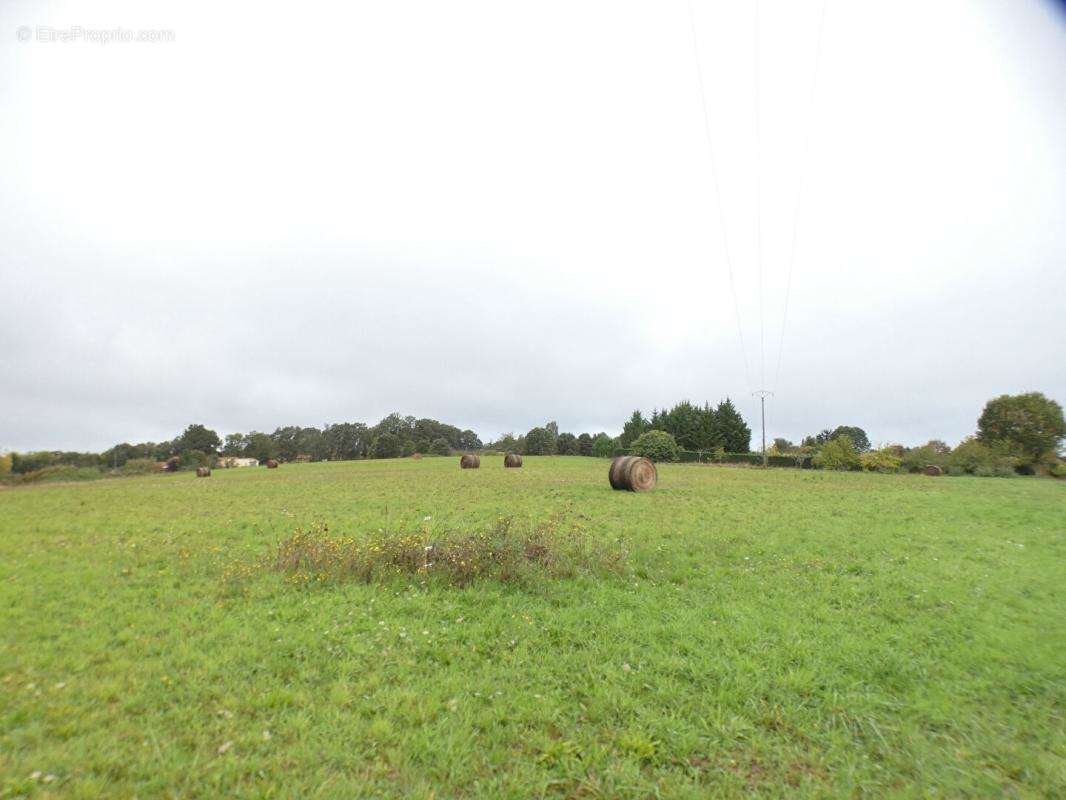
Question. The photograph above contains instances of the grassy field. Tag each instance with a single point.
(770, 633)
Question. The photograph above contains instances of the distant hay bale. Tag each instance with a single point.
(416, 456)
(172, 464)
(203, 472)
(512, 460)
(933, 470)
(470, 461)
(632, 474)
(272, 464)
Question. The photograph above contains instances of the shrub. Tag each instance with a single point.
(1058, 470)
(6, 461)
(138, 466)
(504, 553)
(934, 452)
(838, 453)
(59, 473)
(440, 447)
(602, 445)
(880, 461)
(974, 457)
(655, 445)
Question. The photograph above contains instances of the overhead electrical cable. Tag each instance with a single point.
(718, 190)
(758, 204)
(804, 160)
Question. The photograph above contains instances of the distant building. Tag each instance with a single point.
(225, 462)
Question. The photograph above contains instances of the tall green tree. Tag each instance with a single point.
(584, 444)
(386, 445)
(197, 437)
(261, 446)
(603, 445)
(685, 423)
(1028, 425)
(733, 434)
(859, 439)
(566, 445)
(539, 442)
(633, 429)
(345, 441)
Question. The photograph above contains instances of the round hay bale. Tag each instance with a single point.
(512, 460)
(933, 470)
(203, 472)
(272, 464)
(470, 461)
(416, 456)
(632, 474)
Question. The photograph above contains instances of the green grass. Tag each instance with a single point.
(770, 633)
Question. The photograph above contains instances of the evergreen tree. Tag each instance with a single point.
(632, 429)
(734, 434)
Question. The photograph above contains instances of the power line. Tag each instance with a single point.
(804, 160)
(717, 190)
(758, 203)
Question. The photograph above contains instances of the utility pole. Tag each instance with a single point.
(762, 394)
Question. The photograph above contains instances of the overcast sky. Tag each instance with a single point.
(500, 213)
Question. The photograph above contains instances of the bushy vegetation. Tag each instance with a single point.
(659, 446)
(973, 457)
(507, 552)
(880, 461)
(839, 454)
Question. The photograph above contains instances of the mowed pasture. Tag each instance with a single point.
(769, 633)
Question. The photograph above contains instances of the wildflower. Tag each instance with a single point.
(222, 748)
(266, 736)
(626, 668)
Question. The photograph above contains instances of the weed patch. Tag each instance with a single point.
(506, 552)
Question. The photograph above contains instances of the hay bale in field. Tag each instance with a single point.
(470, 461)
(512, 460)
(272, 464)
(172, 464)
(933, 470)
(203, 472)
(632, 474)
(416, 456)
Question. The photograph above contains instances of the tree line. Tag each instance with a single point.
(394, 436)
(1015, 433)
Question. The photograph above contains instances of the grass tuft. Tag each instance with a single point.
(505, 552)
